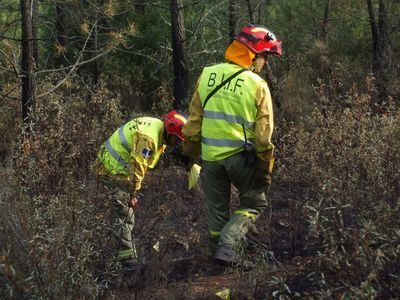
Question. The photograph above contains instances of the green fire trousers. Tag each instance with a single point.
(225, 228)
(122, 219)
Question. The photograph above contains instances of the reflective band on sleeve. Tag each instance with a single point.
(223, 142)
(214, 234)
(115, 155)
(229, 118)
(128, 253)
(123, 139)
(245, 213)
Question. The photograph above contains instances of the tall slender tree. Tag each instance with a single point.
(140, 7)
(381, 49)
(250, 10)
(27, 64)
(179, 54)
(232, 19)
(325, 22)
(35, 36)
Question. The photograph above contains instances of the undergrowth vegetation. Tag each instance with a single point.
(342, 166)
(332, 230)
(54, 217)
(339, 165)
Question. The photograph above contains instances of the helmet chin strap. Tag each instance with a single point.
(165, 136)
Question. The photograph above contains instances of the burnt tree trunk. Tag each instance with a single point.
(250, 10)
(140, 8)
(27, 65)
(262, 9)
(35, 33)
(325, 22)
(179, 54)
(380, 44)
(233, 19)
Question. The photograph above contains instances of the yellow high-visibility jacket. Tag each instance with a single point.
(242, 107)
(132, 149)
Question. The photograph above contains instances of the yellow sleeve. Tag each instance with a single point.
(192, 129)
(264, 123)
(157, 156)
(143, 156)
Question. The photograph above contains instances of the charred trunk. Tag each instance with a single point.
(27, 65)
(381, 52)
(179, 54)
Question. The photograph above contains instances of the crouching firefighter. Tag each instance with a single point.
(231, 120)
(124, 160)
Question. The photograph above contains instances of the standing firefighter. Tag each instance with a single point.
(231, 117)
(125, 158)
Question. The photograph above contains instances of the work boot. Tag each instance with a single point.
(226, 256)
(216, 269)
(130, 265)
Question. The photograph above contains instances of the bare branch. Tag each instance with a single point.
(77, 63)
(9, 38)
(140, 54)
(202, 19)
(10, 97)
(11, 62)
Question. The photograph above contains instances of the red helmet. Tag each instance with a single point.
(174, 122)
(260, 40)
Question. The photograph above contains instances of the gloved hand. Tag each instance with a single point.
(134, 203)
(187, 161)
(262, 177)
(190, 152)
(263, 172)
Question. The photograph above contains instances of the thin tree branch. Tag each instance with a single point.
(9, 38)
(201, 20)
(12, 22)
(140, 54)
(10, 97)
(77, 63)
(11, 62)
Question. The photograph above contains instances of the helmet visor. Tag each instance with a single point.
(276, 49)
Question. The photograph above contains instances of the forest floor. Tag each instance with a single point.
(171, 232)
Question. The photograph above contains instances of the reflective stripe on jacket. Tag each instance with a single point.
(230, 115)
(133, 148)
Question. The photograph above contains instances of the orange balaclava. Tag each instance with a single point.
(239, 54)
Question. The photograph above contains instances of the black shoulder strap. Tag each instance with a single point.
(222, 84)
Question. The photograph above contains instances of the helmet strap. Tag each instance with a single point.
(165, 135)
